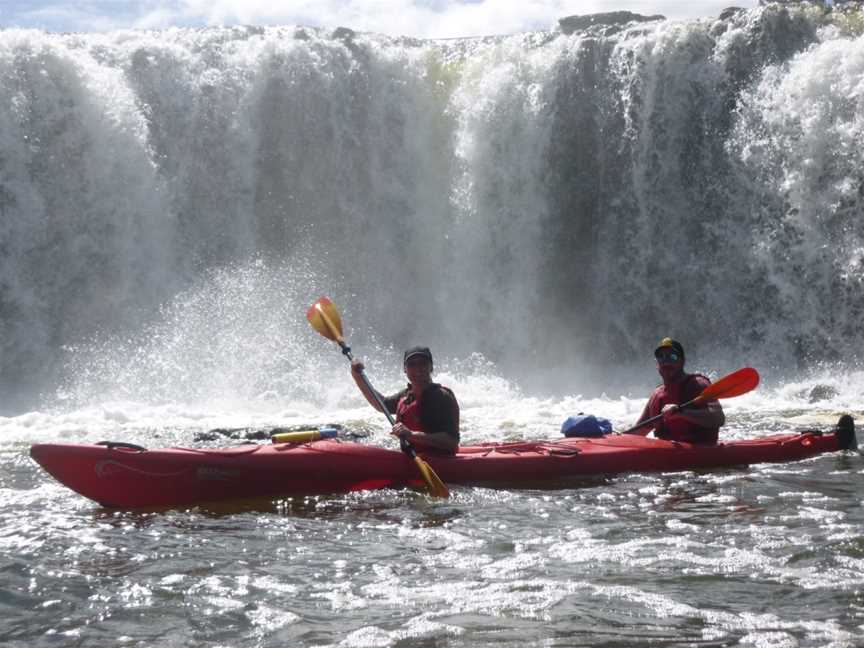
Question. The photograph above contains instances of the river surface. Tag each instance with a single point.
(769, 556)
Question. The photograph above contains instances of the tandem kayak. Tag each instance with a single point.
(125, 476)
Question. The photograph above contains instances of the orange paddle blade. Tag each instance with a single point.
(735, 384)
(324, 318)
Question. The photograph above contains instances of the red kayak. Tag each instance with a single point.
(124, 476)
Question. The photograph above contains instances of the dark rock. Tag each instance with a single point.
(822, 392)
(220, 433)
(729, 12)
(344, 34)
(572, 24)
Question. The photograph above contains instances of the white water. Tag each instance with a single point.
(173, 201)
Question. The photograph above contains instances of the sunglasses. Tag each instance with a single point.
(667, 356)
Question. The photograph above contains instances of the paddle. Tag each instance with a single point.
(324, 318)
(304, 436)
(735, 384)
(279, 435)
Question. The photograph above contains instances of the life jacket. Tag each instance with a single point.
(411, 412)
(408, 412)
(680, 429)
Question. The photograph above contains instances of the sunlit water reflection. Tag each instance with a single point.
(770, 555)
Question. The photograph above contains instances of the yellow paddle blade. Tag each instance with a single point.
(433, 482)
(324, 318)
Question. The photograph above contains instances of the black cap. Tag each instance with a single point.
(669, 343)
(413, 352)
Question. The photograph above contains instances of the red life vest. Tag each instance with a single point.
(408, 413)
(680, 429)
(434, 411)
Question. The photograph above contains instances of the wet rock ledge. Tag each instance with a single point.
(572, 24)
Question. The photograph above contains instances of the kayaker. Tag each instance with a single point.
(698, 424)
(427, 414)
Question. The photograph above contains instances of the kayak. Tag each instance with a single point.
(121, 475)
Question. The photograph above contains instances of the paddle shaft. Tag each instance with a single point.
(651, 420)
(406, 446)
(304, 436)
(347, 351)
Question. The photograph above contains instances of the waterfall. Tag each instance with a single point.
(171, 201)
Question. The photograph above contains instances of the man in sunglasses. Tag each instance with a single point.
(699, 424)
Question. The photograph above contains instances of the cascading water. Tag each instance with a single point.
(540, 209)
(171, 201)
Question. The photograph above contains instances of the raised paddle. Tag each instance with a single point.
(735, 384)
(324, 318)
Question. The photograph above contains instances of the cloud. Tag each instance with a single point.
(420, 18)
(432, 18)
(393, 17)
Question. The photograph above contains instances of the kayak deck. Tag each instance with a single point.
(124, 476)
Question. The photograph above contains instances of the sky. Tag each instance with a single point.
(419, 18)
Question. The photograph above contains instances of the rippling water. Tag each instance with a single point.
(769, 556)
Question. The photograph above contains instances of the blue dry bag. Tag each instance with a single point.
(586, 425)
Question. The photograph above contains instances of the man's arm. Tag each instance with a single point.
(367, 391)
(442, 424)
(709, 416)
(434, 440)
(646, 414)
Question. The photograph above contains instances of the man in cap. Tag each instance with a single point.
(696, 424)
(427, 414)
